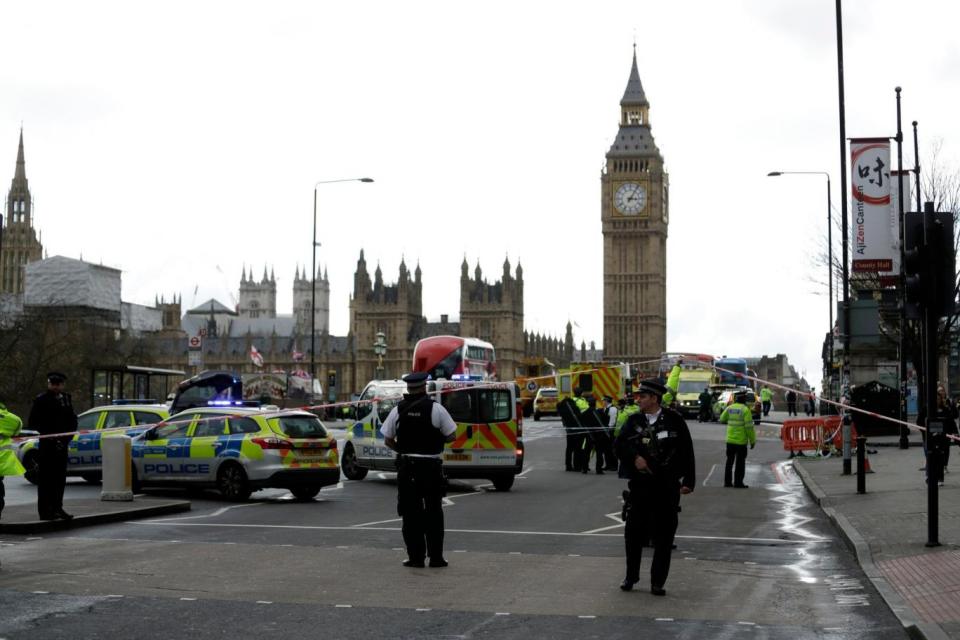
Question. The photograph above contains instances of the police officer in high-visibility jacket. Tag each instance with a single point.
(577, 440)
(628, 410)
(417, 428)
(739, 420)
(656, 455)
(9, 465)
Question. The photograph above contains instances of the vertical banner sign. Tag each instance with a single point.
(905, 179)
(872, 239)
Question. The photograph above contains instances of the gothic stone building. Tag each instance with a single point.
(18, 239)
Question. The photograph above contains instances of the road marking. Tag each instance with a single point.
(664, 619)
(113, 595)
(574, 534)
(515, 553)
(264, 602)
(424, 609)
(36, 538)
(502, 613)
(524, 472)
(746, 623)
(367, 524)
(587, 617)
(705, 480)
(343, 606)
(188, 599)
(216, 513)
(40, 593)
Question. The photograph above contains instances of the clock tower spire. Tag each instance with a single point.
(634, 217)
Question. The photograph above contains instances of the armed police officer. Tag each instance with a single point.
(52, 413)
(417, 428)
(656, 455)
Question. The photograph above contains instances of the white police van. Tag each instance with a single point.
(488, 442)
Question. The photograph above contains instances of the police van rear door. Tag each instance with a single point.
(496, 439)
(459, 399)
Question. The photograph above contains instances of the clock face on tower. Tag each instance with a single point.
(630, 198)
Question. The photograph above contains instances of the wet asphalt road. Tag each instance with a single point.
(541, 561)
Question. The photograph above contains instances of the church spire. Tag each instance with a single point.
(21, 173)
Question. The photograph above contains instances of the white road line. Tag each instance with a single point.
(524, 472)
(573, 534)
(705, 480)
(367, 524)
(216, 513)
(601, 529)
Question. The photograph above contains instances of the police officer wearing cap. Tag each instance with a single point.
(52, 413)
(656, 455)
(739, 420)
(417, 428)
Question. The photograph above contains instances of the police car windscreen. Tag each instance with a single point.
(691, 386)
(301, 427)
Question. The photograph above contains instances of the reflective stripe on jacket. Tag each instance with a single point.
(739, 419)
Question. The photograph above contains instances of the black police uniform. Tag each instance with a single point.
(52, 413)
(421, 485)
(654, 496)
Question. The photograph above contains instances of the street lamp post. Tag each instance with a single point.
(829, 252)
(380, 349)
(313, 275)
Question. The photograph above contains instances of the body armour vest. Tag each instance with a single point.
(415, 430)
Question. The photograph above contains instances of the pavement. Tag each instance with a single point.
(23, 518)
(887, 527)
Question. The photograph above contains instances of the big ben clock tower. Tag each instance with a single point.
(634, 213)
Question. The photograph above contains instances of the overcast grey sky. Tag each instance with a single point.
(179, 141)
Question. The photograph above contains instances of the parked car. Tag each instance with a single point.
(545, 402)
(84, 456)
(238, 450)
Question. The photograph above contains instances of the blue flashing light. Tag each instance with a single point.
(466, 377)
(225, 403)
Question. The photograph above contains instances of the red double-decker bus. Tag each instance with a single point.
(453, 357)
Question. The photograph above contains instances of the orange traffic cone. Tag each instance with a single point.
(866, 464)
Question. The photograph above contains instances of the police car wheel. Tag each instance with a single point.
(503, 483)
(305, 492)
(31, 462)
(349, 466)
(232, 482)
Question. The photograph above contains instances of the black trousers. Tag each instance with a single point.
(766, 407)
(791, 408)
(736, 455)
(652, 516)
(51, 476)
(574, 451)
(420, 490)
(3, 493)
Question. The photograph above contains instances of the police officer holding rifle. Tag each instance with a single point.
(656, 455)
(417, 428)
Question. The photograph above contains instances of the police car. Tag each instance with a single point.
(237, 450)
(84, 455)
(488, 443)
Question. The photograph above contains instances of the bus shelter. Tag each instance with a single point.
(132, 382)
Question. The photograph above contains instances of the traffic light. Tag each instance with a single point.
(929, 264)
(331, 379)
(914, 265)
(940, 248)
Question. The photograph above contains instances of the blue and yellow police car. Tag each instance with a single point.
(84, 455)
(238, 450)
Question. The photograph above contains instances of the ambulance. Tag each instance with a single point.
(489, 437)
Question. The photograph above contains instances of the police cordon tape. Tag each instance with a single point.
(455, 386)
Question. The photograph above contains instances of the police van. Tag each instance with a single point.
(488, 442)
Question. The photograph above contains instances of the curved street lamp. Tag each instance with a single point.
(774, 174)
(313, 273)
(380, 349)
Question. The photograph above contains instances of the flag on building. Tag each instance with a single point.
(255, 357)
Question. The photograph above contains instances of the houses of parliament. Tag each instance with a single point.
(634, 219)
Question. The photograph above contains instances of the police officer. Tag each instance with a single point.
(52, 412)
(706, 400)
(739, 420)
(656, 455)
(9, 465)
(576, 438)
(417, 428)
